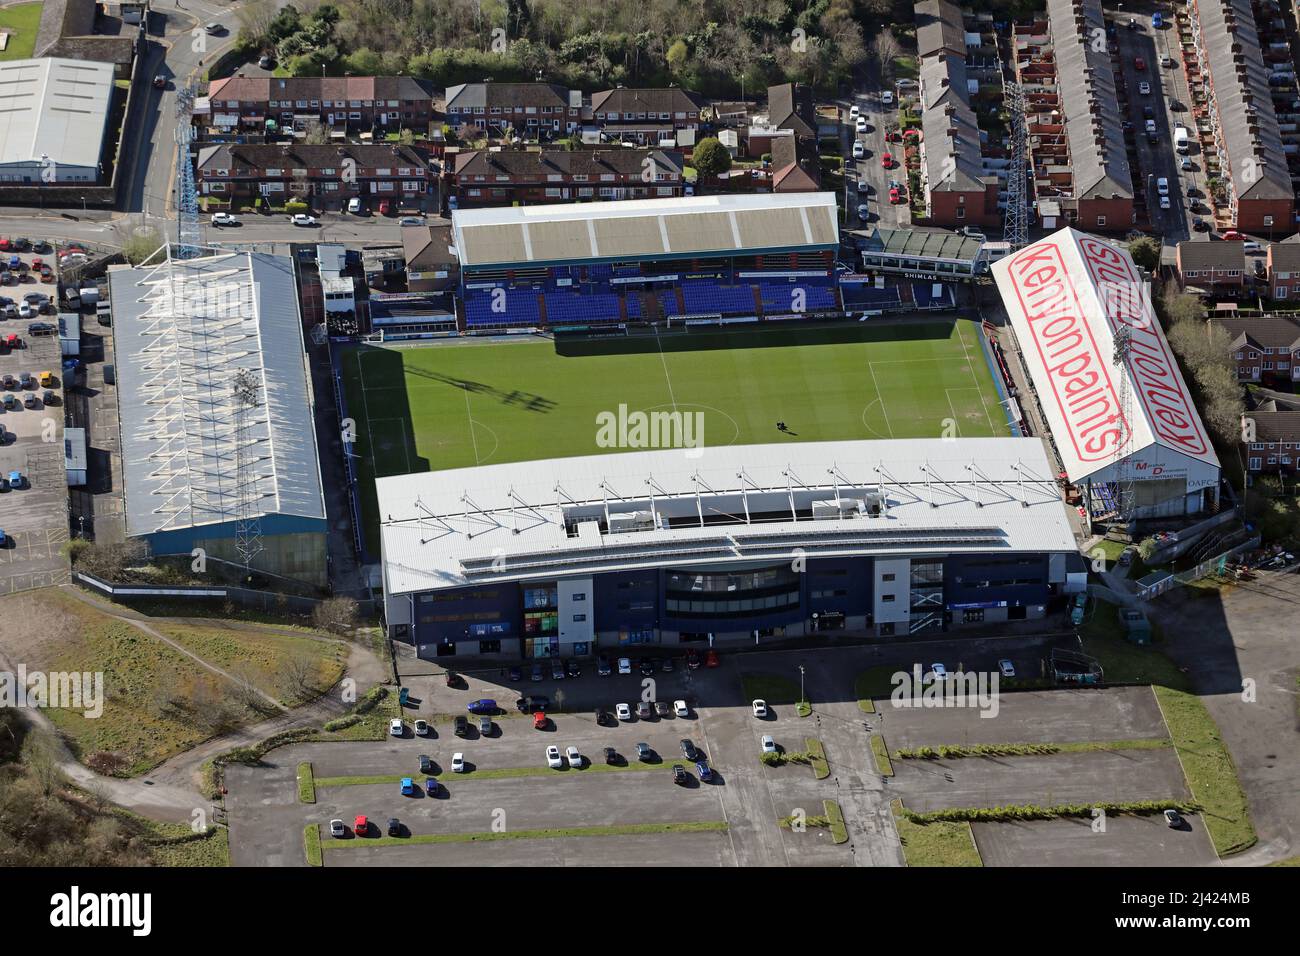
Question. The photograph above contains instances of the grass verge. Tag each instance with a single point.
(1210, 772)
(311, 844)
(630, 829)
(1028, 750)
(817, 757)
(306, 784)
(1016, 812)
(880, 750)
(946, 843)
(839, 830)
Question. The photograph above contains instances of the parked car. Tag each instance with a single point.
(688, 749)
(611, 756)
(886, 160)
(361, 826)
(394, 827)
(711, 659)
(692, 660)
(557, 669)
(426, 764)
(705, 772)
(571, 668)
(410, 221)
(759, 707)
(458, 762)
(861, 124)
(460, 726)
(485, 726)
(553, 757)
(938, 671)
(667, 665)
(337, 829)
(574, 757)
(396, 728)
(1174, 819)
(644, 710)
(536, 673)
(623, 711)
(160, 82)
(1077, 607)
(624, 665)
(422, 728)
(680, 776)
(646, 666)
(485, 705)
(863, 212)
(431, 786)
(302, 219)
(408, 787)
(1006, 668)
(768, 744)
(516, 673)
(663, 709)
(859, 151)
(680, 708)
(603, 668)
(643, 752)
(604, 717)
(887, 98)
(540, 721)
(224, 219)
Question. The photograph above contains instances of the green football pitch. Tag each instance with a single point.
(468, 402)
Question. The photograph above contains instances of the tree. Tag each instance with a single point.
(677, 56)
(336, 614)
(711, 157)
(1145, 252)
(140, 244)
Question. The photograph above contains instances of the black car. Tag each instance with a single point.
(42, 328)
(603, 668)
(611, 756)
(537, 672)
(688, 749)
(1148, 113)
(604, 717)
(394, 827)
(530, 705)
(426, 765)
(21, 244)
(572, 669)
(692, 660)
(516, 674)
(462, 725)
(666, 665)
(680, 776)
(647, 666)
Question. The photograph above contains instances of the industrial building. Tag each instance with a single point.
(218, 442)
(739, 545)
(53, 120)
(1122, 420)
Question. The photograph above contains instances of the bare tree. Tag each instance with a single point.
(337, 615)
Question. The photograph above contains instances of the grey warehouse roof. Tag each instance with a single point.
(181, 330)
(735, 504)
(56, 108)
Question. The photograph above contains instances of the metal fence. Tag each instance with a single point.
(1213, 565)
(246, 597)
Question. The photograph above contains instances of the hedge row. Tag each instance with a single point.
(1032, 812)
(976, 750)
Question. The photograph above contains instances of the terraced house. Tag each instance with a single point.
(1231, 66)
(533, 109)
(646, 116)
(328, 175)
(352, 103)
(502, 177)
(957, 188)
(1264, 348)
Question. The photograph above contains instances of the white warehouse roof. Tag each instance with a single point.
(1067, 296)
(735, 504)
(54, 108)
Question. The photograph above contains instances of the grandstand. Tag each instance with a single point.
(743, 257)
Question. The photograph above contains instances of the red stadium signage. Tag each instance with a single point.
(1152, 369)
(1078, 372)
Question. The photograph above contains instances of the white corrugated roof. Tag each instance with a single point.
(1066, 296)
(548, 519)
(54, 108)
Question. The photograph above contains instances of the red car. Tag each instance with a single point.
(895, 197)
(361, 826)
(692, 660)
(385, 207)
(539, 721)
(1233, 235)
(5, 245)
(893, 136)
(711, 659)
(887, 160)
(1139, 63)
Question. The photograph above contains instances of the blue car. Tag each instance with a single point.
(706, 774)
(431, 786)
(1157, 20)
(484, 706)
(3, 539)
(408, 787)
(16, 479)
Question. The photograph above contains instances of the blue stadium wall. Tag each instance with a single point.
(632, 610)
(292, 546)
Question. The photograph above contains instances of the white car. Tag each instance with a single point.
(573, 756)
(1144, 88)
(553, 757)
(861, 124)
(212, 29)
(625, 665)
(25, 310)
(887, 98)
(337, 829)
(680, 708)
(302, 219)
(623, 711)
(422, 728)
(410, 221)
(854, 111)
(396, 728)
(769, 745)
(760, 708)
(1162, 186)
(458, 762)
(859, 151)
(224, 219)
(1186, 163)
(864, 187)
(1006, 668)
(354, 205)
(939, 671)
(1164, 202)
(863, 212)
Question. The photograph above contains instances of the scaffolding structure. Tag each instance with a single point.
(246, 397)
(1015, 226)
(187, 194)
(1124, 447)
(206, 447)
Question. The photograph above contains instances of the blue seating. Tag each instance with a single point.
(864, 294)
(566, 308)
(781, 298)
(520, 308)
(921, 295)
(668, 302)
(706, 298)
(633, 302)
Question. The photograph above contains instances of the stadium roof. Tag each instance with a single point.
(1093, 119)
(930, 244)
(181, 330)
(734, 504)
(1067, 295)
(644, 229)
(54, 108)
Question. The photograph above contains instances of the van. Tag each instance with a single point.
(1251, 248)
(1181, 139)
(354, 205)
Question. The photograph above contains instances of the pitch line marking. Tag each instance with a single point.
(880, 397)
(975, 378)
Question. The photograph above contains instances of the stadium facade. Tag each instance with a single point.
(198, 472)
(1123, 422)
(703, 547)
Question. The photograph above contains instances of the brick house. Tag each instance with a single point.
(502, 177)
(1266, 348)
(351, 103)
(646, 116)
(327, 175)
(796, 167)
(1275, 448)
(534, 110)
(1216, 267)
(1283, 269)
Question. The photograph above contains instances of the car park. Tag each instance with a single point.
(458, 762)
(759, 707)
(574, 757)
(553, 757)
(680, 776)
(485, 705)
(395, 727)
(337, 829)
(623, 711)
